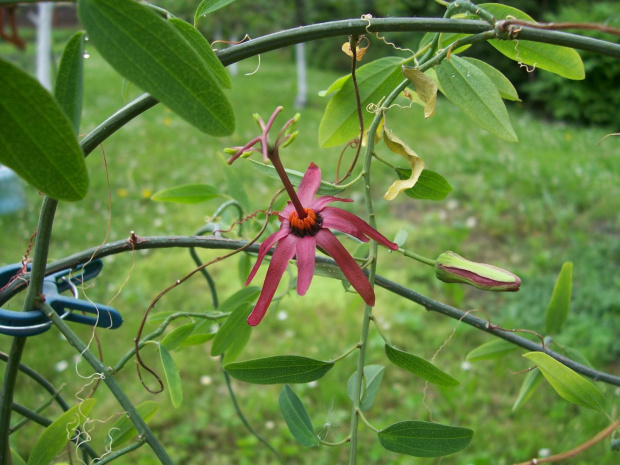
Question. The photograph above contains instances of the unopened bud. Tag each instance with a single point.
(452, 268)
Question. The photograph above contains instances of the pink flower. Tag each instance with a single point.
(301, 236)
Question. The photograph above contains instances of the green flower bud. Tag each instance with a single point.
(452, 268)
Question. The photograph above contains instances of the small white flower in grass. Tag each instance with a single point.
(269, 424)
(206, 380)
(158, 222)
(466, 366)
(282, 315)
(61, 366)
(289, 333)
(471, 222)
(545, 452)
(313, 384)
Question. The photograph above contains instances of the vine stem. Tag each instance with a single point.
(108, 378)
(217, 243)
(577, 450)
(39, 259)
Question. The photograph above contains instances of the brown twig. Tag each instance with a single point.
(577, 450)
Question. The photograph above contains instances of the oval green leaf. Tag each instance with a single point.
(296, 417)
(147, 50)
(209, 6)
(245, 294)
(375, 80)
(568, 384)
(123, 430)
(55, 437)
(424, 439)
(279, 369)
(234, 330)
(563, 61)
(505, 88)
(70, 80)
(173, 377)
(37, 140)
(490, 350)
(174, 338)
(419, 367)
(326, 188)
(430, 186)
(559, 305)
(473, 92)
(373, 375)
(530, 383)
(188, 193)
(204, 51)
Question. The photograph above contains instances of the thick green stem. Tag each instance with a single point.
(39, 260)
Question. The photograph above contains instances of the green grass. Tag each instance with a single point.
(528, 207)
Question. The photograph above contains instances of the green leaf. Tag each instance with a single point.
(559, 305)
(490, 350)
(17, 459)
(326, 188)
(375, 80)
(148, 50)
(529, 386)
(244, 266)
(245, 294)
(296, 417)
(373, 375)
(175, 337)
(554, 58)
(204, 51)
(57, 435)
(188, 193)
(124, 430)
(37, 140)
(401, 237)
(335, 86)
(209, 6)
(419, 367)
(430, 186)
(234, 330)
(424, 439)
(504, 86)
(70, 80)
(473, 92)
(173, 377)
(196, 339)
(568, 384)
(237, 346)
(279, 369)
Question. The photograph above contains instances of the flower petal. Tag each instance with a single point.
(320, 203)
(309, 185)
(306, 254)
(342, 225)
(349, 267)
(264, 248)
(333, 212)
(279, 261)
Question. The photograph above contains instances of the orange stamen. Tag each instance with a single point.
(307, 226)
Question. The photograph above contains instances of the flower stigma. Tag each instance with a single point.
(308, 226)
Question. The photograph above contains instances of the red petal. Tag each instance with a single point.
(309, 185)
(349, 267)
(264, 248)
(279, 261)
(306, 254)
(359, 223)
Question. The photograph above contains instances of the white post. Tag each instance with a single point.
(44, 45)
(302, 78)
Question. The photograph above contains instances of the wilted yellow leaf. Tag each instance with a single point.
(359, 51)
(377, 134)
(417, 164)
(425, 87)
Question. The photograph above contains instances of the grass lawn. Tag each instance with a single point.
(528, 207)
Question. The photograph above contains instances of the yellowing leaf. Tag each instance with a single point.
(425, 87)
(359, 51)
(377, 133)
(417, 164)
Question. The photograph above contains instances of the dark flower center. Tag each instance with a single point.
(307, 226)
